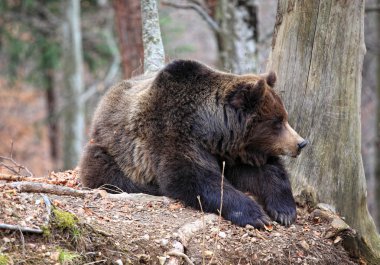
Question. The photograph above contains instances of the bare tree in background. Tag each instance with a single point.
(154, 55)
(73, 115)
(129, 30)
(319, 59)
(234, 24)
(369, 103)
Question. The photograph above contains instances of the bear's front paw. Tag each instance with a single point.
(283, 213)
(249, 214)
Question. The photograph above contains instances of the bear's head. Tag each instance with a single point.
(267, 131)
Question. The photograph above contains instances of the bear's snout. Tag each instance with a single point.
(292, 142)
(302, 144)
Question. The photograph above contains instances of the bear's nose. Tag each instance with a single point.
(303, 144)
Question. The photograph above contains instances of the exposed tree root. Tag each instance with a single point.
(185, 233)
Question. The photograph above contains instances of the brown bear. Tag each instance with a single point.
(168, 134)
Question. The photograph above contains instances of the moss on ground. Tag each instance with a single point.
(3, 259)
(67, 257)
(65, 220)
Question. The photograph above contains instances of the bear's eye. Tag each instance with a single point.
(277, 124)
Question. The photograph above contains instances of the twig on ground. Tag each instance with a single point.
(21, 228)
(36, 187)
(181, 255)
(95, 262)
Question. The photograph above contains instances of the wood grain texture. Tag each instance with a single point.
(317, 52)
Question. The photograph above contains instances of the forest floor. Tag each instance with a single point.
(94, 227)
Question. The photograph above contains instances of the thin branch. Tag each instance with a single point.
(200, 10)
(15, 164)
(220, 212)
(204, 231)
(21, 228)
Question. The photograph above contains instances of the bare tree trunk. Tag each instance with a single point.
(154, 55)
(52, 121)
(237, 37)
(235, 26)
(74, 120)
(129, 31)
(318, 49)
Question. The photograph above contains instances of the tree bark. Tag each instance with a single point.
(317, 51)
(52, 121)
(154, 55)
(129, 31)
(74, 119)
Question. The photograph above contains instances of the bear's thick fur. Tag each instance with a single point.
(168, 135)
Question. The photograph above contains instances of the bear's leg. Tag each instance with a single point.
(270, 183)
(186, 181)
(99, 169)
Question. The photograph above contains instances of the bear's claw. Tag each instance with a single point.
(285, 216)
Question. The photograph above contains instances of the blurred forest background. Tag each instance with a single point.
(57, 58)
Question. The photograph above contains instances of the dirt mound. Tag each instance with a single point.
(100, 228)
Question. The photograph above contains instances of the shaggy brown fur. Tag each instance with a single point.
(168, 134)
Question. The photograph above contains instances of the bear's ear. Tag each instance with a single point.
(247, 96)
(271, 78)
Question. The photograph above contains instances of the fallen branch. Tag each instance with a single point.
(21, 228)
(36, 187)
(9, 177)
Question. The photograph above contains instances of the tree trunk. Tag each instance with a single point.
(74, 120)
(52, 121)
(237, 37)
(129, 31)
(154, 55)
(317, 51)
